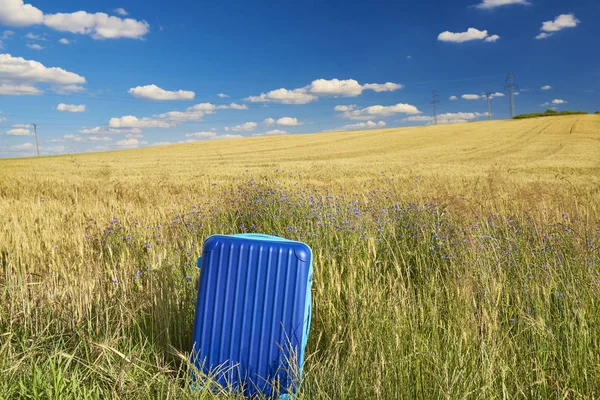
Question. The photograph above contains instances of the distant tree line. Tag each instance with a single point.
(550, 113)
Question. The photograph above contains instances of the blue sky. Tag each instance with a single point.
(105, 75)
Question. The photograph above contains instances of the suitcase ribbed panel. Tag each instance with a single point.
(251, 313)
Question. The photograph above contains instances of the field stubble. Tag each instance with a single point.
(450, 262)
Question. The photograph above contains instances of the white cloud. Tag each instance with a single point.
(153, 92)
(226, 136)
(99, 138)
(275, 132)
(284, 96)
(497, 94)
(34, 46)
(379, 111)
(498, 3)
(222, 95)
(105, 131)
(24, 146)
(128, 143)
(121, 12)
(561, 22)
(345, 108)
(470, 34)
(348, 87)
(15, 13)
(362, 125)
(64, 41)
(161, 143)
(98, 25)
(33, 36)
(547, 87)
(130, 121)
(19, 132)
(446, 118)
(18, 90)
(269, 121)
(288, 121)
(71, 107)
(134, 136)
(453, 98)
(15, 72)
(201, 135)
(25, 126)
(171, 118)
(235, 106)
(245, 127)
(322, 87)
(471, 96)
(558, 101)
(418, 118)
(6, 35)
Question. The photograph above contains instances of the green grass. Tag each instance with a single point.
(470, 271)
(550, 113)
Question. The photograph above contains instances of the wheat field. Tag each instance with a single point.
(451, 261)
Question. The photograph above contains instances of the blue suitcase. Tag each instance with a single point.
(253, 313)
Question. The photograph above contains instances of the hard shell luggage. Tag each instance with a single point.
(253, 313)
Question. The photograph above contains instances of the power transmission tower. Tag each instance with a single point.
(36, 139)
(511, 86)
(435, 103)
(488, 96)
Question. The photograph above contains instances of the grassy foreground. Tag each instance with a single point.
(450, 262)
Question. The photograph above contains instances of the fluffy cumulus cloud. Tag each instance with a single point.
(345, 108)
(453, 98)
(172, 118)
(362, 126)
(469, 35)
(153, 92)
(269, 121)
(284, 96)
(558, 101)
(379, 111)
(322, 88)
(288, 121)
(19, 130)
(98, 25)
(497, 94)
(128, 143)
(222, 95)
(107, 130)
(35, 46)
(546, 87)
(18, 90)
(130, 121)
(121, 12)
(245, 127)
(561, 22)
(471, 96)
(487, 4)
(447, 118)
(201, 135)
(24, 146)
(19, 75)
(275, 132)
(71, 107)
(64, 41)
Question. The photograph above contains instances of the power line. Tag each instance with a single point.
(511, 86)
(435, 103)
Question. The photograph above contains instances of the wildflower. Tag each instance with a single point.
(115, 281)
(188, 278)
(148, 246)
